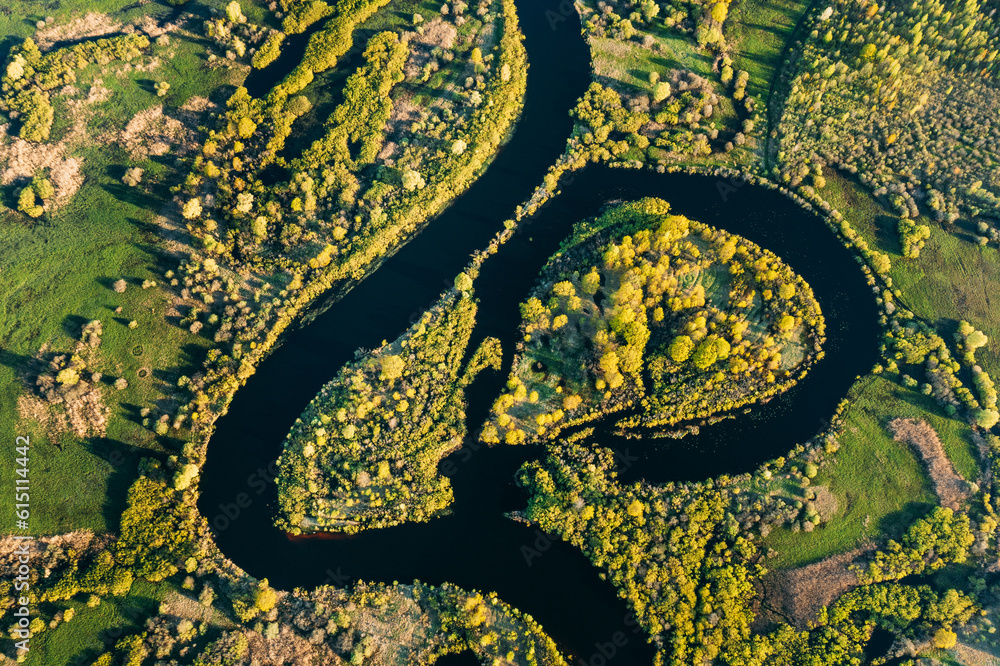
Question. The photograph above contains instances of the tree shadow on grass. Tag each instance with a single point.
(137, 196)
(17, 362)
(132, 412)
(6, 46)
(894, 524)
(72, 325)
(887, 234)
(922, 402)
(147, 85)
(124, 461)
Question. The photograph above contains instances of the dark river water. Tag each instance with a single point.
(476, 547)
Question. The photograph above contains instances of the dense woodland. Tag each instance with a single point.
(356, 193)
(365, 452)
(640, 310)
(904, 95)
(687, 558)
(641, 307)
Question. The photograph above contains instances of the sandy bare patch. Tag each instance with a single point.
(150, 132)
(48, 551)
(825, 502)
(94, 25)
(798, 594)
(404, 113)
(198, 105)
(153, 132)
(973, 656)
(87, 27)
(181, 605)
(98, 93)
(437, 33)
(950, 488)
(148, 25)
(33, 408)
(21, 160)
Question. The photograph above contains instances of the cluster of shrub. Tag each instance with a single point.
(365, 451)
(915, 343)
(681, 118)
(702, 20)
(706, 315)
(900, 95)
(272, 233)
(30, 75)
(235, 35)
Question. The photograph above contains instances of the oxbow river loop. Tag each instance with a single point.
(476, 547)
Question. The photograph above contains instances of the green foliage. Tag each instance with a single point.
(912, 237)
(843, 630)
(669, 551)
(463, 282)
(26, 203)
(681, 348)
(269, 51)
(364, 112)
(43, 188)
(335, 218)
(303, 14)
(903, 99)
(37, 115)
(30, 75)
(943, 537)
(156, 531)
(366, 450)
(692, 306)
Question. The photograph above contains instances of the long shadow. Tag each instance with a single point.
(892, 525)
(467, 658)
(475, 546)
(73, 324)
(124, 462)
(15, 361)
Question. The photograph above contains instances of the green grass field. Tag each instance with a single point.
(95, 630)
(951, 280)
(879, 483)
(759, 30)
(628, 65)
(57, 274)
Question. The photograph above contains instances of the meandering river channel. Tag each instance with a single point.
(475, 546)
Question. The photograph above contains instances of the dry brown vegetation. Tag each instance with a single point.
(796, 595)
(71, 386)
(20, 160)
(436, 34)
(94, 25)
(48, 551)
(90, 26)
(950, 488)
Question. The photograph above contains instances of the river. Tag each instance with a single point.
(476, 547)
